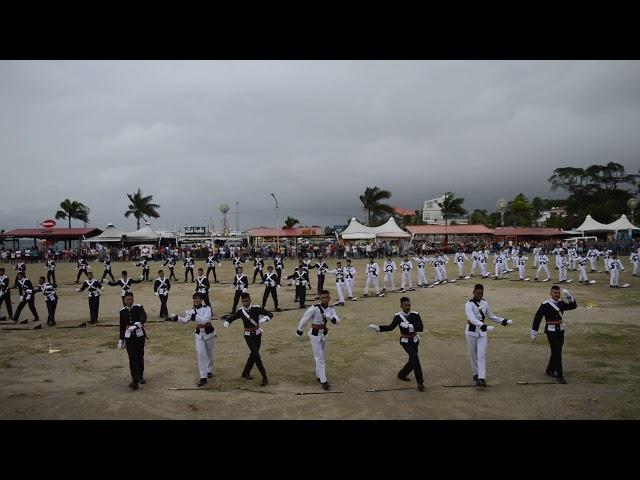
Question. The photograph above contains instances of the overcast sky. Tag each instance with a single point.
(316, 133)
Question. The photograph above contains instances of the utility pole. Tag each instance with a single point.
(238, 217)
(277, 226)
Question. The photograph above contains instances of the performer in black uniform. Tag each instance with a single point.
(211, 267)
(132, 334)
(51, 272)
(170, 262)
(51, 299)
(107, 269)
(240, 285)
(552, 311)
(410, 324)
(188, 264)
(322, 270)
(300, 279)
(271, 282)
(279, 266)
(25, 288)
(144, 263)
(258, 264)
(125, 284)
(94, 287)
(161, 288)
(203, 286)
(250, 316)
(83, 267)
(5, 293)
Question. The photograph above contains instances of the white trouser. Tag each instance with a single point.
(460, 269)
(339, 287)
(205, 351)
(593, 262)
(536, 257)
(498, 269)
(562, 273)
(573, 262)
(546, 270)
(406, 280)
(388, 277)
(614, 277)
(521, 271)
(636, 266)
(483, 269)
(606, 264)
(422, 276)
(349, 286)
(583, 274)
(373, 281)
(478, 355)
(474, 265)
(318, 348)
(442, 273)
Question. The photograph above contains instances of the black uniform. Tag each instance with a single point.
(554, 328)
(211, 267)
(5, 295)
(170, 262)
(20, 267)
(301, 280)
(240, 282)
(125, 285)
(144, 263)
(94, 287)
(238, 261)
(322, 270)
(51, 300)
(162, 286)
(135, 340)
(307, 267)
(202, 287)
(188, 264)
(258, 264)
(278, 265)
(51, 272)
(26, 297)
(83, 266)
(409, 341)
(271, 282)
(252, 335)
(107, 270)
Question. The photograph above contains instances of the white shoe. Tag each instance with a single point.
(381, 294)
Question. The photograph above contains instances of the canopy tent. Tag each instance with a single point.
(390, 230)
(622, 223)
(590, 225)
(145, 234)
(110, 235)
(357, 231)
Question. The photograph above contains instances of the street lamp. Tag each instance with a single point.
(277, 226)
(502, 206)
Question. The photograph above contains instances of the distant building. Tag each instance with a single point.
(403, 212)
(547, 214)
(432, 213)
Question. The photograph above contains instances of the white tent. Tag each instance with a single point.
(357, 231)
(390, 230)
(145, 234)
(110, 235)
(622, 223)
(590, 225)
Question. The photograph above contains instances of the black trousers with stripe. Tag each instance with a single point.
(94, 306)
(320, 284)
(172, 275)
(104, 275)
(51, 310)
(186, 273)
(253, 342)
(212, 269)
(6, 299)
(556, 341)
(80, 272)
(164, 311)
(274, 294)
(414, 362)
(32, 307)
(135, 349)
(51, 275)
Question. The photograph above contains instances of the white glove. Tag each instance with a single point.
(411, 328)
(120, 344)
(138, 324)
(132, 328)
(264, 320)
(244, 290)
(156, 294)
(534, 334)
(490, 328)
(373, 327)
(405, 324)
(77, 290)
(509, 322)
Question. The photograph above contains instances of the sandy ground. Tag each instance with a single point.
(89, 378)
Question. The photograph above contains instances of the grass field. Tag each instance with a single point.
(89, 378)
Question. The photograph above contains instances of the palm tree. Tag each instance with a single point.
(73, 209)
(371, 203)
(141, 207)
(451, 207)
(290, 222)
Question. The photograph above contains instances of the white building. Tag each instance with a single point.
(432, 213)
(547, 214)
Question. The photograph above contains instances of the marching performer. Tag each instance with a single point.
(421, 262)
(132, 335)
(484, 259)
(615, 265)
(258, 264)
(406, 267)
(552, 311)
(542, 265)
(593, 255)
(170, 262)
(607, 255)
(188, 264)
(271, 286)
(83, 267)
(441, 267)
(476, 261)
(322, 270)
(240, 284)
(251, 318)
(635, 260)
(536, 256)
(51, 272)
(203, 286)
(572, 252)
(161, 288)
(238, 260)
(51, 299)
(498, 261)
(562, 264)
(107, 269)
(522, 265)
(558, 252)
(211, 267)
(372, 278)
(339, 272)
(144, 263)
(278, 263)
(94, 288)
(306, 264)
(389, 269)
(350, 276)
(300, 278)
(582, 262)
(125, 284)
(5, 293)
(319, 314)
(25, 288)
(21, 266)
(410, 324)
(460, 257)
(204, 336)
(477, 310)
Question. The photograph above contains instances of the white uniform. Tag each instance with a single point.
(319, 340)
(607, 257)
(573, 256)
(536, 256)
(373, 271)
(350, 275)
(475, 255)
(582, 262)
(498, 260)
(615, 265)
(406, 267)
(522, 265)
(339, 272)
(204, 341)
(542, 265)
(460, 258)
(483, 257)
(557, 252)
(442, 268)
(593, 255)
(421, 262)
(563, 263)
(514, 258)
(476, 338)
(635, 259)
(389, 269)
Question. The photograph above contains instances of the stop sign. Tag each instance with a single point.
(48, 223)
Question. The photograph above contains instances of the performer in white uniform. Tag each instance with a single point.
(542, 265)
(350, 276)
(522, 265)
(460, 258)
(563, 263)
(421, 262)
(582, 262)
(483, 258)
(406, 267)
(593, 255)
(615, 265)
(339, 272)
(475, 332)
(635, 260)
(389, 270)
(475, 255)
(498, 261)
(373, 271)
(319, 314)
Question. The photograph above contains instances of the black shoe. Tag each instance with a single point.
(404, 379)
(421, 387)
(247, 376)
(53, 324)
(325, 385)
(551, 374)
(481, 383)
(318, 380)
(133, 385)
(475, 378)
(142, 380)
(202, 382)
(23, 322)
(264, 381)
(560, 379)
(209, 375)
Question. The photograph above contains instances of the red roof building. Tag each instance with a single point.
(466, 230)
(526, 233)
(286, 232)
(404, 212)
(55, 234)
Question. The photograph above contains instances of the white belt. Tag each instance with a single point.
(552, 328)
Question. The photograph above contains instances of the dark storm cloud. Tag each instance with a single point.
(198, 134)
